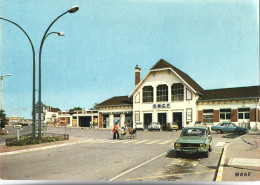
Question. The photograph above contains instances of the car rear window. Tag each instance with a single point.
(193, 132)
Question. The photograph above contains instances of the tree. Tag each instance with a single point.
(78, 108)
(37, 106)
(3, 120)
(95, 106)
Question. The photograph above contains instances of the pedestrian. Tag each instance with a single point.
(115, 131)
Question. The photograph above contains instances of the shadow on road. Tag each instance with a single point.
(231, 136)
(171, 154)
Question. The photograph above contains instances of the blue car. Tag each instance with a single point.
(229, 127)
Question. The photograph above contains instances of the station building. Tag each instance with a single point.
(167, 94)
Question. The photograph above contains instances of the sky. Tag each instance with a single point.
(215, 42)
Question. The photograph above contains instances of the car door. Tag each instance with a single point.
(230, 127)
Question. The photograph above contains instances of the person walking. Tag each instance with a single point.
(115, 131)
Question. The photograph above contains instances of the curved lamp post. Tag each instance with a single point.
(2, 78)
(72, 10)
(33, 99)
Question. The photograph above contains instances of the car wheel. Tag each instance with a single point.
(241, 132)
(219, 131)
(210, 148)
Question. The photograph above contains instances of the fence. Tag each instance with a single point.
(11, 141)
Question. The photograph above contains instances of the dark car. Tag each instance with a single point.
(194, 140)
(229, 127)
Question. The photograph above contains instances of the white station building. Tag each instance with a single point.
(167, 94)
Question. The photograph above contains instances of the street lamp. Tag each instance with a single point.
(33, 95)
(72, 10)
(2, 78)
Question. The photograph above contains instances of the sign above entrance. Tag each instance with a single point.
(164, 105)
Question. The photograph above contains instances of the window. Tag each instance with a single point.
(162, 93)
(148, 94)
(177, 92)
(208, 116)
(225, 114)
(188, 94)
(244, 113)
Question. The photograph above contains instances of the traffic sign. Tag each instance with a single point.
(17, 126)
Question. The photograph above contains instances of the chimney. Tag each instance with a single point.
(137, 75)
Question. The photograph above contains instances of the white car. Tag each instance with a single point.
(139, 126)
(154, 126)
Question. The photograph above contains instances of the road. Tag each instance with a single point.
(99, 158)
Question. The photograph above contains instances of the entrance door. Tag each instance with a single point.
(177, 118)
(162, 119)
(147, 120)
(244, 117)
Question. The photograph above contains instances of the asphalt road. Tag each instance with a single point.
(99, 158)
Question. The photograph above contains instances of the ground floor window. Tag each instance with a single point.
(208, 115)
(225, 114)
(244, 113)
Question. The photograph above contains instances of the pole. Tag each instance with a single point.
(40, 51)
(2, 93)
(33, 94)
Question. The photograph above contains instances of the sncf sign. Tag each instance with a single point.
(161, 106)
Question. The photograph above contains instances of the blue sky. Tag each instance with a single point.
(216, 42)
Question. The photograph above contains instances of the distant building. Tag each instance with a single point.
(167, 94)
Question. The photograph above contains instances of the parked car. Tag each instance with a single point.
(154, 126)
(3, 131)
(172, 126)
(229, 127)
(139, 126)
(194, 140)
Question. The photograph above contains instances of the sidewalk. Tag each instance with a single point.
(241, 159)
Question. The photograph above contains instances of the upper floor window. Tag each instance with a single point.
(162, 93)
(177, 92)
(148, 94)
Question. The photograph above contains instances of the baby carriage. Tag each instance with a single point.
(122, 134)
(132, 133)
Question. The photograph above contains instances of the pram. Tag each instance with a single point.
(132, 133)
(122, 134)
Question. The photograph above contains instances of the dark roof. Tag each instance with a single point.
(231, 93)
(54, 109)
(163, 64)
(116, 100)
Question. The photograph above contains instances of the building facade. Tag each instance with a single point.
(167, 94)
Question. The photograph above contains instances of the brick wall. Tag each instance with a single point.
(216, 116)
(199, 115)
(234, 115)
(252, 114)
(100, 121)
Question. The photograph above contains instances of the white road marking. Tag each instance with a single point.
(137, 166)
(165, 142)
(220, 144)
(244, 162)
(152, 142)
(141, 141)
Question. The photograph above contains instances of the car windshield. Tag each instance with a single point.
(194, 132)
(172, 123)
(138, 123)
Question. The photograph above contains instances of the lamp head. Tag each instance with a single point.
(73, 9)
(61, 33)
